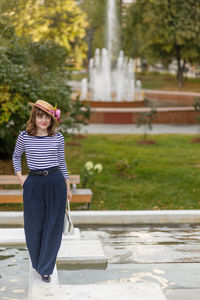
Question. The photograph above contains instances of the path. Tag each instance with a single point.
(133, 129)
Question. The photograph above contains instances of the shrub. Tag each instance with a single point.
(31, 71)
(146, 119)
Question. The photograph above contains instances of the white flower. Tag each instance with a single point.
(89, 165)
(98, 167)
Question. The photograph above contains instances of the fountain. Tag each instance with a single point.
(111, 74)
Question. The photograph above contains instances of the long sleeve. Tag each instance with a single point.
(61, 157)
(17, 154)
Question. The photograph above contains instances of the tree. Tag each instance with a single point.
(96, 16)
(61, 22)
(164, 30)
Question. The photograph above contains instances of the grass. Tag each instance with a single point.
(154, 80)
(167, 175)
(78, 76)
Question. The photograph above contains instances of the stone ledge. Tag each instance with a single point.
(164, 92)
(142, 109)
(117, 217)
(137, 217)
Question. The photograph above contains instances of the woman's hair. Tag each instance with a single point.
(31, 127)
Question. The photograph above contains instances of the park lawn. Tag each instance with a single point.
(154, 80)
(166, 176)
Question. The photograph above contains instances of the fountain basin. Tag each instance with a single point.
(116, 104)
(129, 115)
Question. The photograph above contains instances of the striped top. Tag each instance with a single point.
(41, 152)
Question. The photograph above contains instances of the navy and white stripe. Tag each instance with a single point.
(41, 152)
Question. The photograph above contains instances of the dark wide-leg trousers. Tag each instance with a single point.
(44, 199)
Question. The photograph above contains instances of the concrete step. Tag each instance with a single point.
(118, 291)
(81, 253)
(15, 236)
(36, 284)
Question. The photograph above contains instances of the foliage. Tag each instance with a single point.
(164, 30)
(146, 118)
(96, 16)
(197, 109)
(124, 167)
(30, 71)
(59, 22)
(197, 106)
(77, 116)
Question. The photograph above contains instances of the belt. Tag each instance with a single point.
(43, 172)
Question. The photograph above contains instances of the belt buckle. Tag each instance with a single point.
(45, 172)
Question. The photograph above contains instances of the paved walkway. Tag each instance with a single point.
(178, 281)
(133, 129)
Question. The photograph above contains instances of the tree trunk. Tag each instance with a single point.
(181, 67)
(180, 76)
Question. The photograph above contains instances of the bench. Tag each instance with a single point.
(16, 195)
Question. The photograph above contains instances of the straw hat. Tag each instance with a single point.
(48, 108)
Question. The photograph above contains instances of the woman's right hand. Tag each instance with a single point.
(21, 178)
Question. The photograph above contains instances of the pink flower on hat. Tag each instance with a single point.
(56, 113)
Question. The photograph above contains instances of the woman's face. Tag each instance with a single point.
(43, 121)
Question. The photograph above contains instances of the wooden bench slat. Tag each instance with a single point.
(11, 199)
(20, 192)
(12, 179)
(16, 196)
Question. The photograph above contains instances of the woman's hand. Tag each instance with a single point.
(21, 178)
(69, 195)
(69, 192)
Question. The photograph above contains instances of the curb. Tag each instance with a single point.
(111, 217)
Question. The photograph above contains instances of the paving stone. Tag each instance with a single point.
(81, 252)
(126, 291)
(182, 294)
(36, 285)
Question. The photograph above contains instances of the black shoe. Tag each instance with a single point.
(46, 278)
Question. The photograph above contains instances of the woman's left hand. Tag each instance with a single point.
(69, 195)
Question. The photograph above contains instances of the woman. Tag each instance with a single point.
(46, 188)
